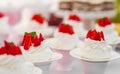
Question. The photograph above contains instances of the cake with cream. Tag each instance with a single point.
(35, 49)
(77, 24)
(12, 61)
(87, 5)
(95, 47)
(65, 37)
(108, 27)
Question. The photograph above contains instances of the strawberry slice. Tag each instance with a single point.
(74, 17)
(36, 41)
(1, 15)
(38, 18)
(94, 35)
(3, 51)
(41, 38)
(104, 22)
(65, 28)
(27, 41)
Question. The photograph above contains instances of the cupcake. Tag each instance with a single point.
(33, 22)
(94, 53)
(106, 25)
(36, 50)
(78, 26)
(12, 61)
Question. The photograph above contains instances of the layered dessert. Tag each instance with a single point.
(65, 37)
(108, 27)
(78, 26)
(95, 48)
(87, 5)
(12, 61)
(35, 49)
(34, 22)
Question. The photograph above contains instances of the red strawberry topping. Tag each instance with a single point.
(1, 15)
(31, 39)
(74, 17)
(65, 28)
(94, 35)
(10, 49)
(104, 22)
(38, 18)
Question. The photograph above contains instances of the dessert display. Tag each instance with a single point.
(78, 26)
(34, 22)
(87, 5)
(36, 50)
(65, 38)
(12, 61)
(108, 27)
(95, 45)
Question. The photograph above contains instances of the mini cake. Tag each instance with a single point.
(78, 26)
(95, 47)
(65, 37)
(12, 61)
(106, 25)
(87, 5)
(5, 29)
(34, 22)
(35, 49)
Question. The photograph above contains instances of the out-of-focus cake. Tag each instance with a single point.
(87, 5)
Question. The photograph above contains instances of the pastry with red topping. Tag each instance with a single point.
(108, 27)
(12, 61)
(35, 49)
(77, 24)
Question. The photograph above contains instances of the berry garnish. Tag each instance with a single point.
(94, 35)
(104, 22)
(38, 18)
(31, 39)
(1, 15)
(10, 49)
(74, 17)
(66, 28)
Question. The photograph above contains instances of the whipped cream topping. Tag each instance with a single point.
(97, 50)
(36, 54)
(111, 36)
(16, 65)
(64, 41)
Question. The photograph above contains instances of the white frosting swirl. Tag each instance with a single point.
(64, 41)
(36, 54)
(16, 65)
(98, 50)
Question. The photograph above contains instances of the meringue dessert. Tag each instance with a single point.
(78, 26)
(12, 61)
(5, 29)
(35, 49)
(95, 47)
(106, 25)
(33, 22)
(65, 38)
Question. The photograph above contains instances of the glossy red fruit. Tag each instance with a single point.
(36, 41)
(38, 18)
(1, 15)
(65, 28)
(41, 38)
(104, 22)
(94, 35)
(27, 41)
(3, 50)
(74, 17)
